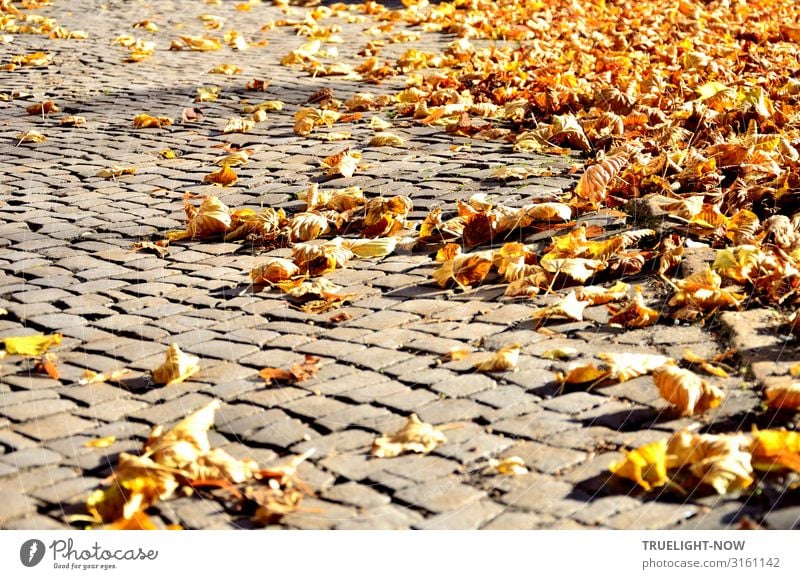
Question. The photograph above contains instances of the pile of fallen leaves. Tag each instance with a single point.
(181, 461)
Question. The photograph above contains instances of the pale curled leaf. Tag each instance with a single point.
(177, 367)
(416, 436)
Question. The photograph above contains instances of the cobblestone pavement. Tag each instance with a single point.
(66, 263)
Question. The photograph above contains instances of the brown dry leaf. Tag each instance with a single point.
(257, 84)
(635, 314)
(115, 171)
(386, 139)
(103, 442)
(593, 185)
(464, 269)
(455, 354)
(274, 270)
(619, 367)
(239, 125)
(646, 465)
(703, 290)
(145, 121)
(72, 121)
(343, 163)
(783, 396)
(31, 137)
(569, 307)
(42, 108)
(225, 177)
(722, 461)
(159, 247)
(91, 377)
(506, 358)
(564, 353)
(686, 391)
(201, 43)
(226, 69)
(378, 124)
(177, 367)
(598, 295)
(692, 358)
(48, 364)
(297, 373)
(307, 226)
(317, 296)
(416, 436)
(211, 218)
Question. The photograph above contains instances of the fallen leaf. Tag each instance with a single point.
(775, 449)
(646, 465)
(226, 69)
(569, 307)
(635, 314)
(274, 270)
(386, 139)
(145, 121)
(115, 171)
(103, 442)
(686, 391)
(344, 163)
(159, 247)
(72, 121)
(416, 436)
(714, 370)
(177, 367)
(239, 125)
(509, 466)
(297, 373)
(91, 377)
(31, 137)
(225, 177)
(42, 108)
(504, 359)
(47, 364)
(31, 345)
(783, 395)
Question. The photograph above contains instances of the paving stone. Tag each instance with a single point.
(440, 495)
(53, 426)
(37, 409)
(357, 495)
(30, 457)
(652, 516)
(514, 520)
(545, 458)
(471, 517)
(14, 505)
(387, 517)
(462, 386)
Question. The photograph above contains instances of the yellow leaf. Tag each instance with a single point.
(72, 121)
(211, 218)
(115, 171)
(646, 466)
(239, 125)
(686, 391)
(185, 442)
(377, 123)
(703, 291)
(633, 315)
(598, 295)
(464, 269)
(307, 226)
(509, 466)
(207, 94)
(225, 176)
(274, 270)
(31, 137)
(504, 359)
(31, 345)
(416, 436)
(565, 353)
(226, 69)
(692, 358)
(104, 442)
(177, 367)
(569, 307)
(773, 449)
(344, 163)
(722, 461)
(91, 377)
(386, 139)
(145, 121)
(201, 43)
(783, 396)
